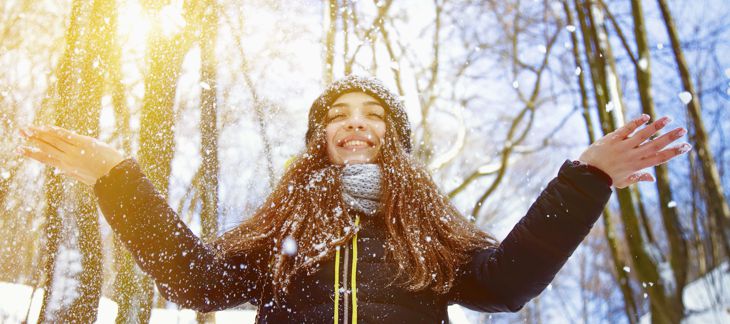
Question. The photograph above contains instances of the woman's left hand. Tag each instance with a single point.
(623, 155)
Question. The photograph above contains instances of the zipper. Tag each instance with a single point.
(353, 273)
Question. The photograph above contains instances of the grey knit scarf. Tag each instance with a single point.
(361, 187)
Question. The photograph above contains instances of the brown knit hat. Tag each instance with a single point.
(374, 88)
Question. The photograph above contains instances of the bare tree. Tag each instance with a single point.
(133, 289)
(717, 204)
(78, 108)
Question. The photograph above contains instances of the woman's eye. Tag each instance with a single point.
(377, 115)
(333, 117)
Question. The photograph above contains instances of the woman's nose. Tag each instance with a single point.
(355, 123)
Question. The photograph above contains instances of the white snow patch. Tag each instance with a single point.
(667, 276)
(15, 298)
(707, 299)
(685, 97)
(289, 246)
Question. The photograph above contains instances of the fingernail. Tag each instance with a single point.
(644, 117)
(666, 121)
(684, 148)
(681, 132)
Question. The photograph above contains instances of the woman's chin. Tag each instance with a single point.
(355, 159)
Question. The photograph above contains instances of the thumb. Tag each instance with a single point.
(639, 176)
(646, 177)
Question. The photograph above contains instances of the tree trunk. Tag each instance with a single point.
(329, 45)
(52, 186)
(208, 189)
(717, 204)
(670, 217)
(621, 277)
(77, 109)
(133, 289)
(646, 257)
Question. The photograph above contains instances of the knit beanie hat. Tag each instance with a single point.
(371, 86)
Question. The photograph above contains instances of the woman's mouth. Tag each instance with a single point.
(354, 143)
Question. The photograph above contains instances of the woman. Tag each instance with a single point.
(356, 230)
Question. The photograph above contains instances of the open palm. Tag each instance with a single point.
(623, 156)
(81, 157)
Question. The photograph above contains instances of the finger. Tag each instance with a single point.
(37, 134)
(662, 141)
(646, 177)
(637, 177)
(63, 134)
(39, 156)
(664, 155)
(629, 128)
(648, 131)
(46, 147)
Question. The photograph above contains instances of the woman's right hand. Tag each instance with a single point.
(81, 157)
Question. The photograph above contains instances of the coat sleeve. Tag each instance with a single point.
(506, 277)
(186, 270)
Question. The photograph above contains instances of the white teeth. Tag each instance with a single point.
(355, 143)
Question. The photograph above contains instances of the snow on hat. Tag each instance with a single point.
(372, 87)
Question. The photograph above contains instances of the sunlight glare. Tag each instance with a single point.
(135, 23)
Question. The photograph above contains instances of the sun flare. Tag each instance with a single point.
(136, 22)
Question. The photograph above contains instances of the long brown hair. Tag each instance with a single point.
(427, 237)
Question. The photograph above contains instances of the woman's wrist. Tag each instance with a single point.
(595, 170)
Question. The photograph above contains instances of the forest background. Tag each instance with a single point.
(211, 97)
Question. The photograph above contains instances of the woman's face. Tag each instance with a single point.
(355, 126)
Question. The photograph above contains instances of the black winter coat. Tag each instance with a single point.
(500, 279)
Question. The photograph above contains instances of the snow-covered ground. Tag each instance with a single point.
(15, 298)
(707, 299)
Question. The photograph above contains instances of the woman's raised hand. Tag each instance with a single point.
(623, 155)
(81, 157)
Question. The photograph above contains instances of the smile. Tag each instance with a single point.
(355, 143)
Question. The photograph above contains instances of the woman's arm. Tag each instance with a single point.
(505, 278)
(186, 270)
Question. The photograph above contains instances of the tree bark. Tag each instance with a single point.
(133, 289)
(670, 217)
(329, 45)
(78, 109)
(646, 257)
(622, 279)
(717, 204)
(208, 189)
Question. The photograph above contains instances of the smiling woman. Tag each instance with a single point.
(355, 129)
(356, 229)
